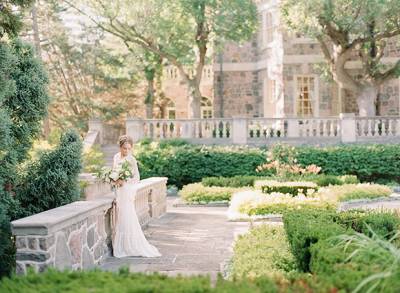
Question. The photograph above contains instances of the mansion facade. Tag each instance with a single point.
(274, 75)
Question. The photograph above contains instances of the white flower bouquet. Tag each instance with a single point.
(112, 176)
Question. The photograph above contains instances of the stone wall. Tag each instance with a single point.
(78, 235)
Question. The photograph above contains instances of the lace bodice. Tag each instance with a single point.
(118, 161)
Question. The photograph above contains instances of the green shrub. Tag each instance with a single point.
(191, 163)
(264, 251)
(354, 191)
(52, 181)
(368, 163)
(100, 281)
(306, 227)
(173, 142)
(384, 224)
(7, 247)
(292, 188)
(356, 262)
(235, 181)
(197, 193)
(93, 160)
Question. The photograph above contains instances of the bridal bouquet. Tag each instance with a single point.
(111, 176)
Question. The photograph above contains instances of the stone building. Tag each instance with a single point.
(274, 75)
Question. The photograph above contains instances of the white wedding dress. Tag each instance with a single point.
(129, 239)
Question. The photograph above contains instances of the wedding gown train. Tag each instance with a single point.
(129, 239)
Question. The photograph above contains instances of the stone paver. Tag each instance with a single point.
(192, 240)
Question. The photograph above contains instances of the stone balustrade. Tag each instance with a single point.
(78, 235)
(345, 128)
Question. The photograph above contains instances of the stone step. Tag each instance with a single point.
(109, 151)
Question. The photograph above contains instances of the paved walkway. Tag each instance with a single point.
(192, 241)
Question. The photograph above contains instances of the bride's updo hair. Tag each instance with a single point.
(125, 139)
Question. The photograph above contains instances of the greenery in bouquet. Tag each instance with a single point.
(109, 175)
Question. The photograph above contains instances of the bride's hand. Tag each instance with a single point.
(120, 182)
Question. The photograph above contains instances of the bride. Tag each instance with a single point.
(129, 239)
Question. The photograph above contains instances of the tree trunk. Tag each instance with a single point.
(366, 101)
(149, 98)
(194, 100)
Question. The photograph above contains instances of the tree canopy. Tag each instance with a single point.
(178, 31)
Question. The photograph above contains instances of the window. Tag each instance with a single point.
(170, 110)
(305, 96)
(268, 29)
(206, 108)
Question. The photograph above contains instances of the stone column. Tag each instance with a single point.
(239, 130)
(348, 127)
(96, 125)
(293, 128)
(135, 128)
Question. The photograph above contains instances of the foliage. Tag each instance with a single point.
(354, 191)
(197, 193)
(93, 160)
(87, 73)
(368, 162)
(358, 30)
(53, 180)
(123, 281)
(235, 181)
(11, 17)
(7, 247)
(23, 100)
(190, 163)
(23, 104)
(173, 142)
(180, 32)
(356, 262)
(292, 188)
(304, 228)
(383, 224)
(263, 251)
(326, 180)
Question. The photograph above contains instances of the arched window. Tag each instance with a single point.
(170, 110)
(206, 108)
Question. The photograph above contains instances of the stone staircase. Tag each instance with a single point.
(109, 150)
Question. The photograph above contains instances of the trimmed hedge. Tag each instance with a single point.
(185, 163)
(236, 181)
(191, 163)
(306, 227)
(197, 193)
(370, 163)
(263, 251)
(292, 188)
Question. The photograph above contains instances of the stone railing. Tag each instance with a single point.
(346, 128)
(78, 235)
(368, 127)
(244, 130)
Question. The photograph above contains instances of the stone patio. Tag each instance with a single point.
(192, 240)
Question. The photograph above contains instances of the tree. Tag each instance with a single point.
(86, 76)
(178, 31)
(11, 14)
(351, 30)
